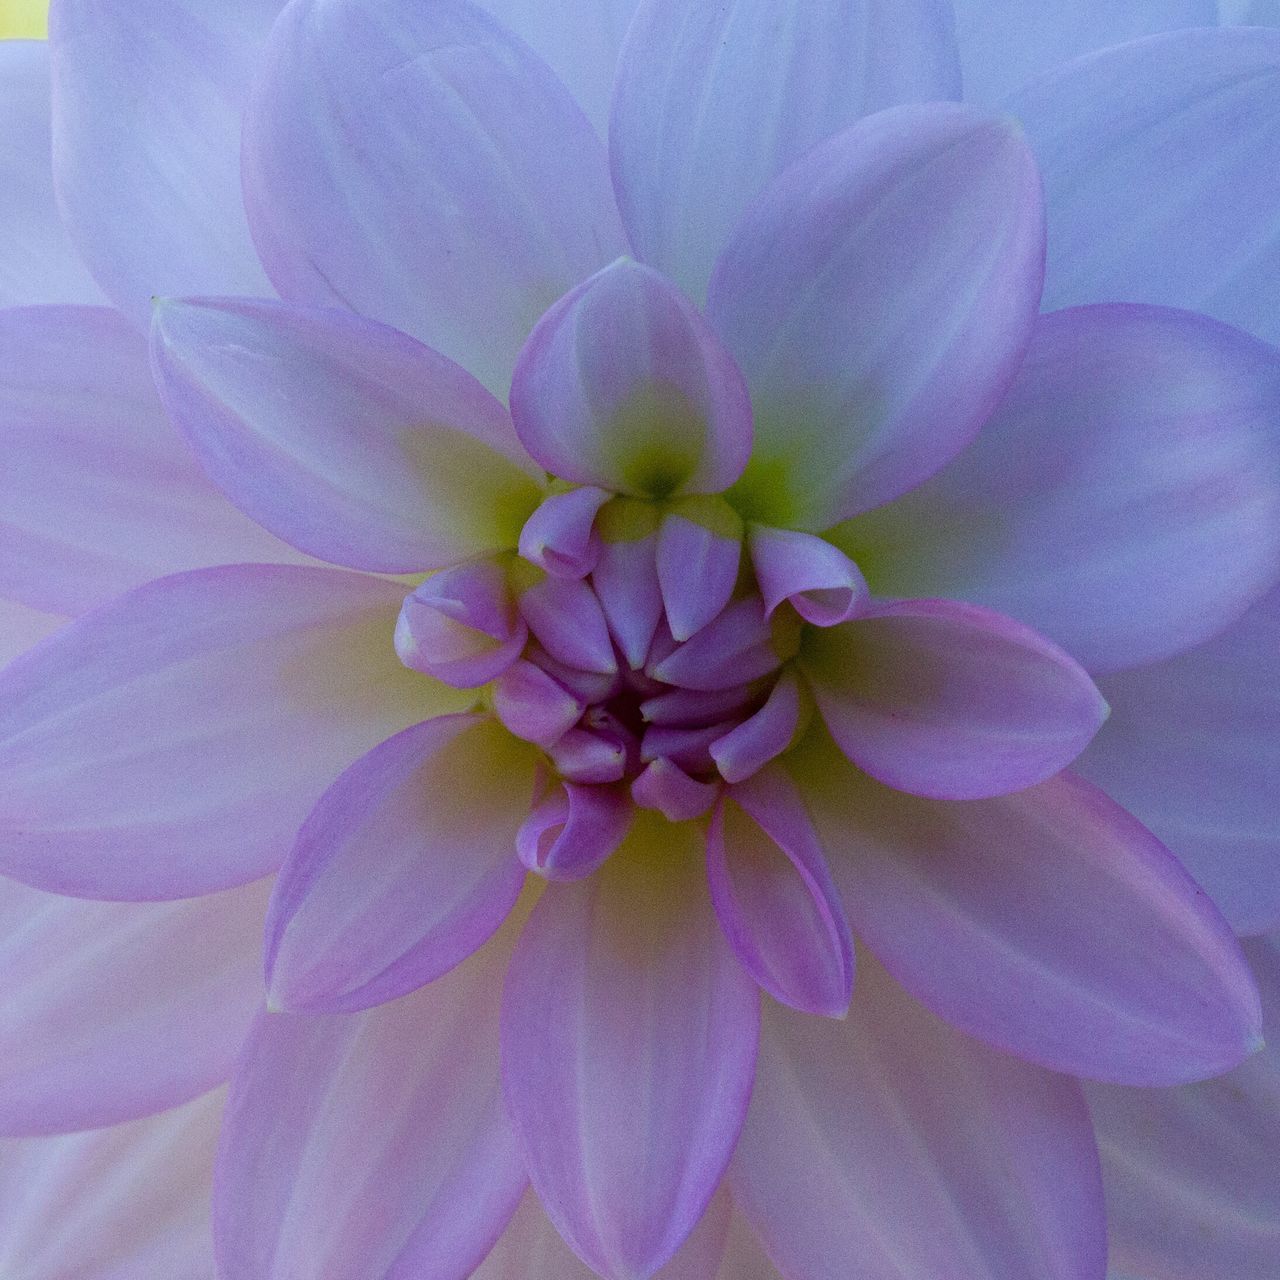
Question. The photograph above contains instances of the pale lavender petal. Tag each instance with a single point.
(21, 628)
(98, 493)
(115, 1010)
(346, 438)
(626, 576)
(534, 705)
(147, 106)
(762, 736)
(418, 164)
(172, 742)
(1126, 225)
(889, 1146)
(590, 756)
(628, 1051)
(879, 297)
(1124, 499)
(736, 647)
(573, 829)
(950, 701)
(564, 614)
(1190, 1172)
(1191, 749)
(624, 384)
(130, 1202)
(1049, 923)
(694, 706)
(744, 1257)
(698, 554)
(715, 100)
(560, 536)
(665, 787)
(404, 868)
(371, 1144)
(775, 898)
(820, 582)
(37, 261)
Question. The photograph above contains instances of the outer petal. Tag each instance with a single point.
(891, 1146)
(628, 1050)
(404, 868)
(171, 743)
(126, 1203)
(118, 1009)
(416, 163)
(1126, 224)
(1190, 1173)
(1125, 498)
(744, 1259)
(147, 104)
(1049, 923)
(1192, 750)
(623, 384)
(21, 628)
(374, 1145)
(715, 100)
(37, 262)
(98, 493)
(347, 438)
(879, 297)
(945, 700)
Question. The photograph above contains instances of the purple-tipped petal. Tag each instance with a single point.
(626, 576)
(560, 537)
(573, 830)
(699, 551)
(624, 384)
(889, 1146)
(879, 297)
(665, 787)
(565, 616)
(404, 868)
(686, 707)
(172, 742)
(373, 1143)
(736, 647)
(1124, 499)
(115, 1010)
(774, 896)
(950, 701)
(344, 437)
(1049, 923)
(418, 164)
(535, 706)
(591, 756)
(628, 1045)
(588, 686)
(817, 579)
(763, 736)
(715, 100)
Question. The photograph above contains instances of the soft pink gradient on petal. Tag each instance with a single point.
(628, 1050)
(1049, 923)
(115, 1010)
(171, 743)
(416, 163)
(879, 297)
(894, 1144)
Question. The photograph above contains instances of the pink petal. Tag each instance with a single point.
(665, 787)
(626, 576)
(535, 706)
(560, 538)
(1049, 923)
(698, 553)
(774, 896)
(171, 743)
(946, 700)
(21, 628)
(564, 614)
(820, 582)
(344, 437)
(889, 1146)
(374, 1143)
(406, 866)
(762, 736)
(417, 164)
(735, 648)
(115, 1010)
(628, 1052)
(879, 297)
(573, 829)
(623, 384)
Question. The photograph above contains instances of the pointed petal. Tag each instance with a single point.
(762, 736)
(564, 614)
(147, 106)
(891, 1145)
(699, 551)
(171, 743)
(573, 830)
(416, 163)
(736, 647)
(820, 582)
(344, 437)
(628, 1051)
(560, 537)
(774, 896)
(949, 701)
(1049, 923)
(406, 866)
(115, 1010)
(624, 384)
(626, 576)
(879, 297)
(714, 101)
(667, 789)
(374, 1143)
(534, 705)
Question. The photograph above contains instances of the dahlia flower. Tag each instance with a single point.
(695, 706)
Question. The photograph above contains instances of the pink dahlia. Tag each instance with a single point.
(647, 570)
